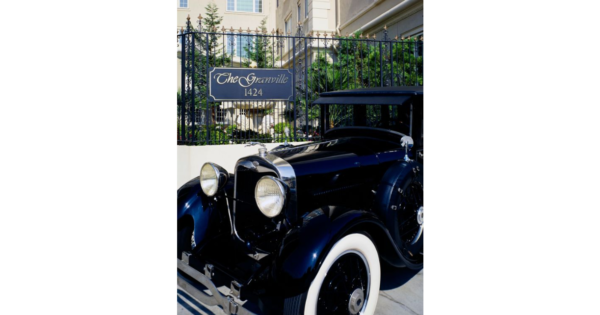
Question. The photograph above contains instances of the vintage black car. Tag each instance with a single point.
(303, 229)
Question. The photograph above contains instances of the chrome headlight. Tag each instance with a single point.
(270, 196)
(212, 177)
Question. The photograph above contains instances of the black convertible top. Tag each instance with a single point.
(389, 95)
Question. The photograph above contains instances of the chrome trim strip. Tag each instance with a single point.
(288, 176)
(233, 229)
(228, 212)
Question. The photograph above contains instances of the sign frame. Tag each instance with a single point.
(250, 76)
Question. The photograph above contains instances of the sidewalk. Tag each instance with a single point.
(401, 294)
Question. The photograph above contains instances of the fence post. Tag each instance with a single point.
(208, 113)
(380, 64)
(422, 58)
(183, 92)
(193, 74)
(294, 83)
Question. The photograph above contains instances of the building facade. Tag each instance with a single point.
(403, 18)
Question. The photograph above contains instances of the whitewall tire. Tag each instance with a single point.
(351, 250)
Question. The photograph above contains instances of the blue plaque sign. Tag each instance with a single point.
(230, 84)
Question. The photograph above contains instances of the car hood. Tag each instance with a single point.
(337, 155)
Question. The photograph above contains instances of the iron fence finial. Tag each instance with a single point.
(421, 37)
(188, 18)
(273, 32)
(396, 38)
(402, 38)
(231, 29)
(199, 17)
(360, 36)
(385, 33)
(374, 36)
(241, 29)
(223, 29)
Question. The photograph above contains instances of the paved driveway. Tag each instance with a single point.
(401, 294)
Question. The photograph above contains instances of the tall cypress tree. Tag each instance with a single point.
(261, 50)
(208, 43)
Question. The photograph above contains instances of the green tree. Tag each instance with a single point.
(359, 63)
(261, 50)
(207, 43)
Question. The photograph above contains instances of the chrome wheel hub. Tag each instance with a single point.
(421, 226)
(357, 299)
(420, 216)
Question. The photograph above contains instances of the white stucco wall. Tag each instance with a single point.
(191, 158)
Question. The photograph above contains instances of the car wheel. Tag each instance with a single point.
(184, 239)
(346, 283)
(408, 216)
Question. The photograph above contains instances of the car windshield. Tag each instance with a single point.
(396, 118)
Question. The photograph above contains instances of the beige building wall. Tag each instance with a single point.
(230, 19)
(343, 17)
(402, 17)
(320, 18)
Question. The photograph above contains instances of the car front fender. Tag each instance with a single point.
(193, 205)
(304, 247)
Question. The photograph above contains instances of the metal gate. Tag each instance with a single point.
(318, 63)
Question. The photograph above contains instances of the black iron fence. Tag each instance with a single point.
(318, 62)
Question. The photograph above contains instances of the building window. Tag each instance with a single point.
(305, 8)
(254, 6)
(277, 3)
(239, 45)
(288, 31)
(220, 115)
(299, 13)
(180, 38)
(181, 4)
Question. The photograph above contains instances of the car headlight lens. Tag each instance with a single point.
(270, 196)
(210, 176)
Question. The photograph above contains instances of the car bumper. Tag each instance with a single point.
(229, 303)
